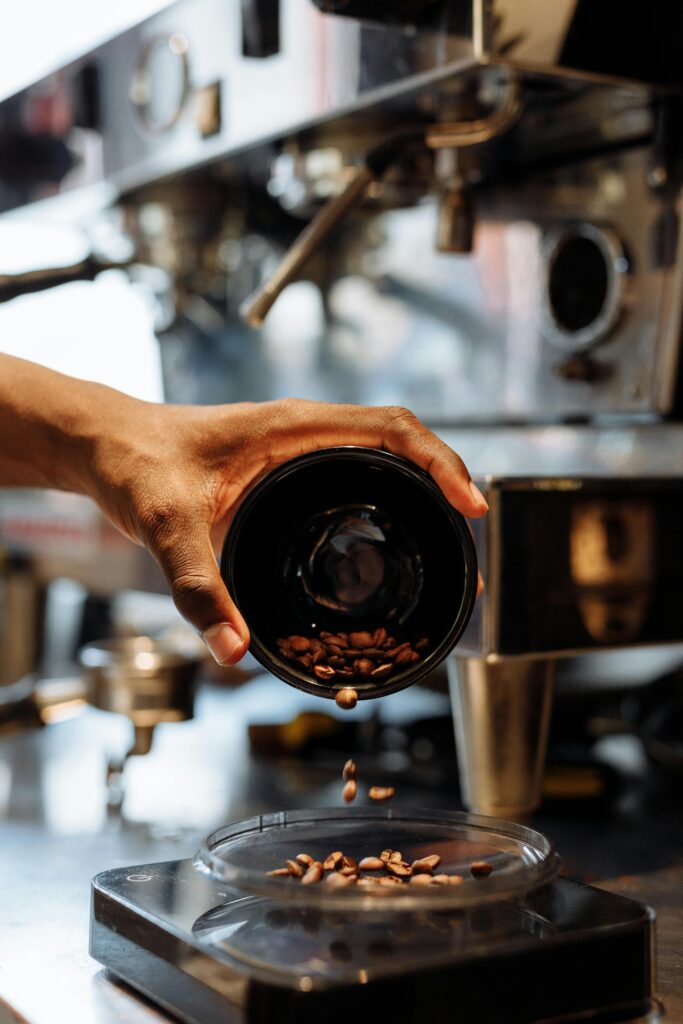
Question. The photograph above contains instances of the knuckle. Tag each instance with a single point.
(191, 591)
(158, 520)
(399, 421)
(399, 416)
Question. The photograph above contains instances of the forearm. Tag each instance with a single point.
(47, 425)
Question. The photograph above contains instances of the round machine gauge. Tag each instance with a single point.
(160, 84)
(585, 287)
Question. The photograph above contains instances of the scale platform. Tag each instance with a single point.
(207, 950)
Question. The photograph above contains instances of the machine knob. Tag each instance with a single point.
(402, 11)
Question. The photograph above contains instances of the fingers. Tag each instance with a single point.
(405, 435)
(182, 546)
(302, 426)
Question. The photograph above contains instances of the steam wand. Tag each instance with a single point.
(256, 307)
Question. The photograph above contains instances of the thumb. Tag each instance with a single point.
(184, 552)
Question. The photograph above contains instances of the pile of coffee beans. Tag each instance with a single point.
(345, 658)
(339, 871)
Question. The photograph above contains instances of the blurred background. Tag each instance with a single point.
(513, 273)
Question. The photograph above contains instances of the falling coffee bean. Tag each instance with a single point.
(349, 770)
(480, 868)
(381, 792)
(346, 698)
(349, 791)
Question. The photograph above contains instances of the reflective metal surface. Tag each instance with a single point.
(501, 710)
(55, 835)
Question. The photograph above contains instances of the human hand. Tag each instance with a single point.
(171, 478)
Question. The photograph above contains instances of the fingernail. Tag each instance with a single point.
(223, 641)
(477, 495)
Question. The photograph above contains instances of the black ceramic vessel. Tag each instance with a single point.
(349, 539)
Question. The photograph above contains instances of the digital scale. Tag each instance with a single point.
(215, 939)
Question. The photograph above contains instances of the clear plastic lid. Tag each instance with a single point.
(241, 855)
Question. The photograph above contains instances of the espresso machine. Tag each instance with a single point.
(471, 209)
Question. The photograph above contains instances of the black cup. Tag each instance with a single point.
(350, 539)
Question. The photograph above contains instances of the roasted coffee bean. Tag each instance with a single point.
(305, 859)
(358, 655)
(338, 881)
(390, 880)
(406, 657)
(334, 652)
(349, 791)
(393, 652)
(382, 671)
(427, 863)
(294, 868)
(440, 880)
(386, 854)
(422, 644)
(349, 872)
(346, 698)
(313, 874)
(334, 861)
(381, 792)
(399, 868)
(279, 872)
(364, 666)
(421, 879)
(349, 862)
(349, 770)
(480, 868)
(360, 640)
(455, 879)
(395, 857)
(371, 864)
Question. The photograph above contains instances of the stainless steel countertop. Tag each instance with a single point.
(55, 834)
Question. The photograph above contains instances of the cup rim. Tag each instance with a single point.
(284, 670)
